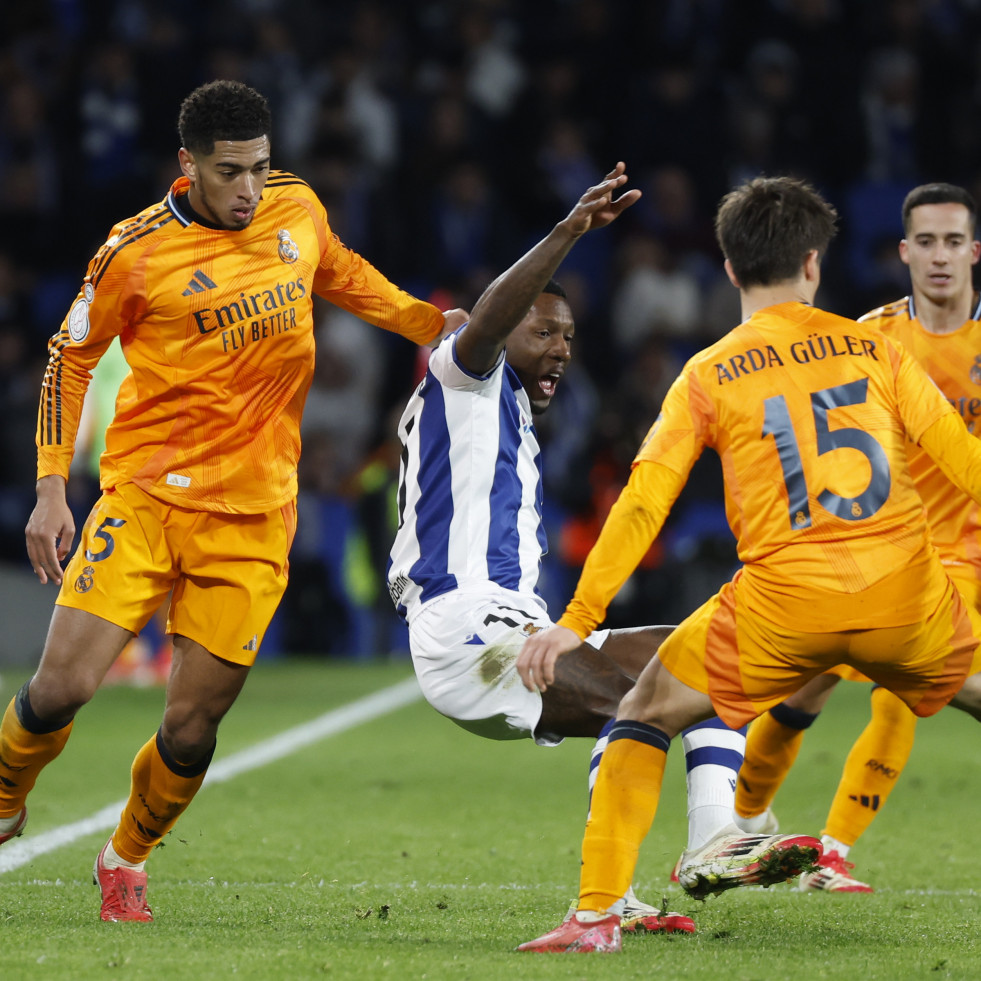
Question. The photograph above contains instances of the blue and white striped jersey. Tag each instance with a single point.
(470, 487)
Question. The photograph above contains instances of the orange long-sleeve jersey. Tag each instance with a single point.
(953, 361)
(217, 327)
(809, 414)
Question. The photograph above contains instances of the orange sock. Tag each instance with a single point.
(872, 768)
(772, 745)
(160, 790)
(623, 806)
(27, 745)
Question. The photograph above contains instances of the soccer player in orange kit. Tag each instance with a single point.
(211, 294)
(939, 323)
(810, 414)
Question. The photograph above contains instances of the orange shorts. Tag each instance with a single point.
(748, 664)
(968, 585)
(227, 571)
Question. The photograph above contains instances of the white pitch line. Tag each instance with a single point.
(17, 853)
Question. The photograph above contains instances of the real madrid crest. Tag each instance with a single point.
(78, 316)
(288, 249)
(84, 582)
(975, 371)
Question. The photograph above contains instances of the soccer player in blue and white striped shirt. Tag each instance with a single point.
(466, 559)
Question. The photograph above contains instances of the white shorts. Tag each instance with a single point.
(464, 646)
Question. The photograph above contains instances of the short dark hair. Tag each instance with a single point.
(767, 226)
(222, 110)
(938, 193)
(556, 289)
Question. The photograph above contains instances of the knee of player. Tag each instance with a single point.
(636, 707)
(57, 699)
(188, 736)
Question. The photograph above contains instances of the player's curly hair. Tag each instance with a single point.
(938, 193)
(767, 226)
(222, 110)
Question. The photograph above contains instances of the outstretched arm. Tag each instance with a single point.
(506, 301)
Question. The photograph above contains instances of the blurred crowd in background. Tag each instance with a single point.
(445, 137)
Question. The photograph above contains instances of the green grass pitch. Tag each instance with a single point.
(407, 848)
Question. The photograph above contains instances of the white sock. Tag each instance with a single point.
(8, 824)
(713, 755)
(834, 845)
(754, 825)
(591, 916)
(112, 860)
(705, 822)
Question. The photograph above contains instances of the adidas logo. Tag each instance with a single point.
(742, 845)
(199, 283)
(252, 645)
(863, 801)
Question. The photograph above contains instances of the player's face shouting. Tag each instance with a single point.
(226, 185)
(540, 347)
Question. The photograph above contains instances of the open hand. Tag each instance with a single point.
(597, 207)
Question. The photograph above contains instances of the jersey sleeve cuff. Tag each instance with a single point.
(581, 629)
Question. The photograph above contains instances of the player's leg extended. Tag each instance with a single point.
(623, 805)
(871, 770)
(713, 751)
(38, 720)
(582, 701)
(628, 784)
(218, 618)
(636, 916)
(713, 755)
(170, 768)
(772, 745)
(166, 774)
(112, 584)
